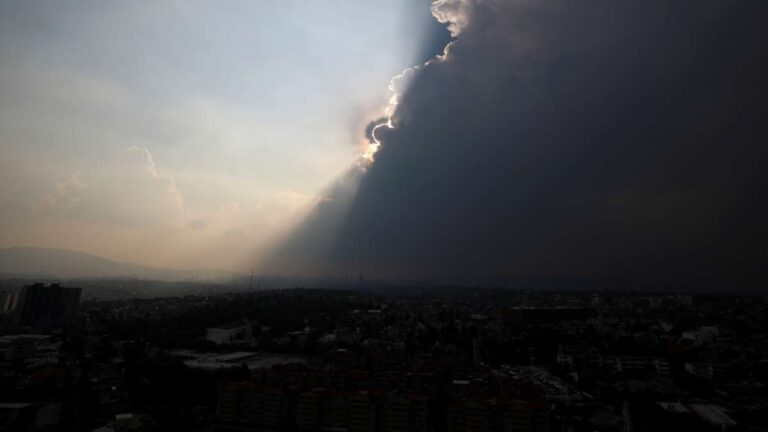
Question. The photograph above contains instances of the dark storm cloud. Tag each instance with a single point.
(590, 142)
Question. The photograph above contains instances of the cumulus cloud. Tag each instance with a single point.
(165, 181)
(617, 143)
(66, 193)
(454, 13)
(134, 192)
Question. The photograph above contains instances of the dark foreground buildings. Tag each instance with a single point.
(45, 306)
(385, 360)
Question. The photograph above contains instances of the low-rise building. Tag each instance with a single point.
(232, 334)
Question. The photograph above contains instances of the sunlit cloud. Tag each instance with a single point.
(397, 86)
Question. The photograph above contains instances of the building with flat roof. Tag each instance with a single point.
(237, 333)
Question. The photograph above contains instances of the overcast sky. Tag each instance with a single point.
(187, 133)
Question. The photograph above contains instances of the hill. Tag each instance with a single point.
(60, 263)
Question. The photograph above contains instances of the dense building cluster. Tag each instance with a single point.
(420, 359)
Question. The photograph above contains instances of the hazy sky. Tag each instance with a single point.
(187, 133)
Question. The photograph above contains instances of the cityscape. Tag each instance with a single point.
(384, 216)
(384, 359)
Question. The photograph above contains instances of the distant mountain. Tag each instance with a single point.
(65, 264)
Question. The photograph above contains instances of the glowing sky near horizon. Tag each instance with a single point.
(186, 134)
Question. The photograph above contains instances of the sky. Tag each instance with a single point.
(528, 143)
(560, 144)
(189, 134)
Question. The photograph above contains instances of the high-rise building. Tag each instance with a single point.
(46, 306)
(8, 303)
